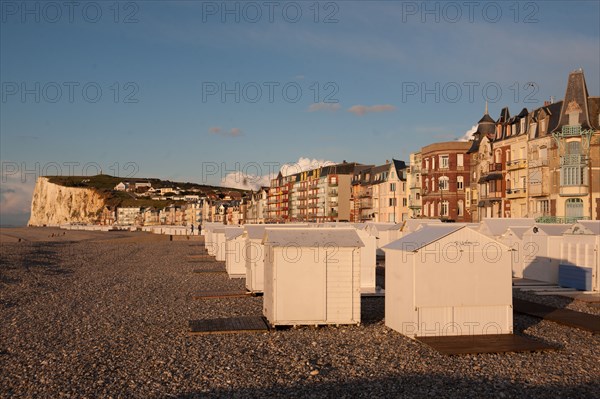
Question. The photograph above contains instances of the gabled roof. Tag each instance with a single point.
(585, 227)
(310, 237)
(424, 236)
(548, 229)
(497, 226)
(233, 232)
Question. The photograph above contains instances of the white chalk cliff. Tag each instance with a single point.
(53, 204)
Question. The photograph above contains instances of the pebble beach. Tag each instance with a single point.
(105, 315)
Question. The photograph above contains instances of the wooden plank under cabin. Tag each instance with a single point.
(493, 343)
(228, 325)
(220, 294)
(565, 317)
(210, 271)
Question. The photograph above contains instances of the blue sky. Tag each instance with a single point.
(412, 73)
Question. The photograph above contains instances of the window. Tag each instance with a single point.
(417, 196)
(459, 160)
(392, 202)
(573, 148)
(432, 184)
(404, 202)
(543, 207)
(426, 184)
(444, 183)
(433, 163)
(444, 208)
(392, 187)
(460, 208)
(460, 183)
(498, 156)
(523, 182)
(426, 163)
(574, 207)
(572, 176)
(444, 163)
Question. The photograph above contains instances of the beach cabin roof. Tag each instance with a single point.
(424, 236)
(585, 227)
(518, 231)
(232, 233)
(549, 229)
(497, 226)
(303, 237)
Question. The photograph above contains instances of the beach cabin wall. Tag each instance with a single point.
(368, 260)
(513, 238)
(312, 276)
(448, 279)
(580, 257)
(235, 262)
(541, 254)
(254, 252)
(220, 242)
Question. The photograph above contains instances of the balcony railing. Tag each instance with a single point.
(572, 160)
(495, 167)
(516, 164)
(561, 219)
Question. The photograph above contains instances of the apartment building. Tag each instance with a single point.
(445, 175)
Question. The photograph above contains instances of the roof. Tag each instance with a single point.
(518, 230)
(233, 232)
(424, 236)
(549, 229)
(411, 225)
(576, 99)
(312, 237)
(257, 231)
(592, 225)
(498, 226)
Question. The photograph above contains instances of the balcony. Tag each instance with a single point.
(333, 193)
(414, 205)
(574, 191)
(560, 219)
(538, 189)
(366, 194)
(302, 206)
(313, 196)
(424, 172)
(516, 193)
(313, 205)
(495, 167)
(332, 214)
(302, 188)
(572, 160)
(516, 164)
(333, 184)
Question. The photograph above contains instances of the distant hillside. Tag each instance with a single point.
(105, 184)
(108, 183)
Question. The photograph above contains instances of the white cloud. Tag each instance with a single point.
(15, 200)
(360, 110)
(242, 180)
(468, 134)
(324, 107)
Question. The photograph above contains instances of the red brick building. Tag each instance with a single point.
(445, 172)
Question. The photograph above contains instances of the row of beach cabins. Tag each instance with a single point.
(441, 279)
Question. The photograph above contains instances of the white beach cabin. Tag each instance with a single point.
(312, 276)
(580, 257)
(513, 238)
(541, 253)
(448, 279)
(235, 246)
(254, 253)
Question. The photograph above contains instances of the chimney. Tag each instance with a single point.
(546, 103)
